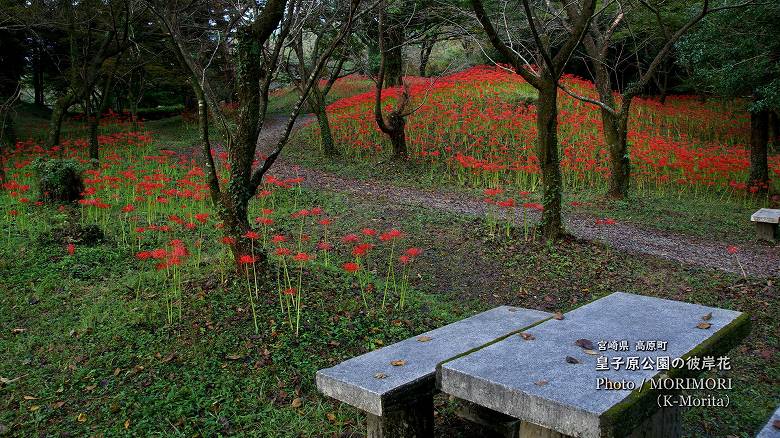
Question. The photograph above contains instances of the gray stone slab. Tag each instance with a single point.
(504, 376)
(354, 381)
(768, 215)
(770, 431)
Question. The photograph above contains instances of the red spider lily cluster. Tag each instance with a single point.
(478, 127)
(154, 203)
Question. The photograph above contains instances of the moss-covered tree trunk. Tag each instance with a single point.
(759, 138)
(317, 104)
(58, 111)
(547, 151)
(393, 48)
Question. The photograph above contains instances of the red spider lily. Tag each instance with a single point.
(534, 206)
(362, 249)
(316, 211)
(264, 220)
(351, 267)
(300, 214)
(71, 248)
(268, 211)
(227, 240)
(303, 257)
(290, 291)
(506, 204)
(324, 246)
(404, 259)
(246, 259)
(283, 251)
(350, 238)
(369, 231)
(252, 235)
(391, 235)
(128, 208)
(732, 249)
(201, 217)
(143, 255)
(278, 238)
(493, 192)
(413, 252)
(325, 221)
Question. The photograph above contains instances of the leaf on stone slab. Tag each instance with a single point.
(776, 424)
(703, 325)
(572, 360)
(398, 363)
(296, 403)
(558, 316)
(380, 375)
(707, 317)
(591, 352)
(585, 344)
(424, 338)
(527, 336)
(541, 382)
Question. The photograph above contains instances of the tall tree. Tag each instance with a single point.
(565, 24)
(742, 61)
(260, 34)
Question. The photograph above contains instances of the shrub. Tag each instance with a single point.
(59, 180)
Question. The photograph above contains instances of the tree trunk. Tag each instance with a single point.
(547, 151)
(92, 120)
(397, 135)
(7, 138)
(57, 115)
(38, 75)
(425, 54)
(759, 137)
(394, 40)
(774, 126)
(317, 103)
(616, 136)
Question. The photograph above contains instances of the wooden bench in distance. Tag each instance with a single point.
(394, 385)
(547, 381)
(766, 220)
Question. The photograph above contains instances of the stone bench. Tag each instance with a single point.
(547, 376)
(395, 384)
(766, 220)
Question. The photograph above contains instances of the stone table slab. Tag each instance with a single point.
(766, 215)
(769, 430)
(354, 381)
(504, 376)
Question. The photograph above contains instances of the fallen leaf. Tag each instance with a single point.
(6, 381)
(585, 344)
(29, 397)
(34, 408)
(398, 363)
(16, 331)
(169, 358)
(90, 387)
(127, 424)
(81, 418)
(527, 336)
(331, 417)
(703, 325)
(117, 371)
(541, 382)
(558, 316)
(380, 375)
(572, 360)
(296, 403)
(424, 338)
(57, 405)
(234, 357)
(707, 317)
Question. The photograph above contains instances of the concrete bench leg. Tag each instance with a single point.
(492, 423)
(766, 231)
(410, 419)
(665, 423)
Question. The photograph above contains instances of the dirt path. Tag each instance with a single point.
(757, 260)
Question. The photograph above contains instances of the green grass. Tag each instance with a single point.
(86, 349)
